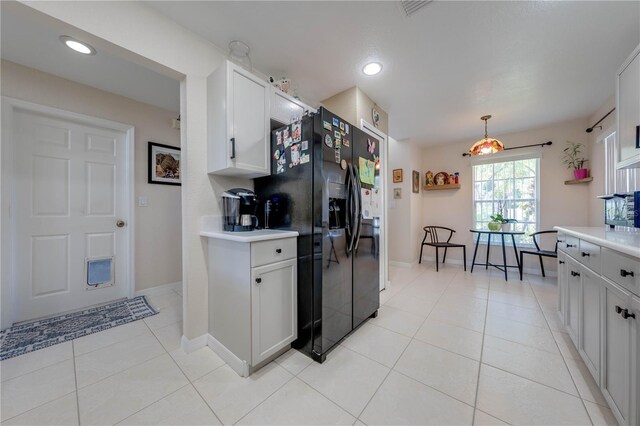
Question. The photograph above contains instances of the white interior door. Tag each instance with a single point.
(70, 189)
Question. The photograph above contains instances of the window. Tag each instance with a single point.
(509, 188)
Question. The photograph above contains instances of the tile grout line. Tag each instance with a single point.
(404, 350)
(484, 329)
(75, 378)
(565, 362)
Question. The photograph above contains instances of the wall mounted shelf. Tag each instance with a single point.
(577, 181)
(442, 187)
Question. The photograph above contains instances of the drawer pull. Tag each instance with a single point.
(570, 245)
(258, 280)
(561, 262)
(624, 273)
(575, 274)
(278, 250)
(561, 241)
(624, 312)
(585, 254)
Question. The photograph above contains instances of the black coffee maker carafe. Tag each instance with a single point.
(239, 210)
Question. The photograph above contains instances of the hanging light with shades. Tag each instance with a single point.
(487, 145)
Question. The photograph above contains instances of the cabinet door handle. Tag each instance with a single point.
(570, 245)
(560, 241)
(258, 280)
(626, 315)
(233, 148)
(278, 250)
(561, 262)
(624, 273)
(575, 274)
(585, 254)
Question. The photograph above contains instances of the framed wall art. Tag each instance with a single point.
(397, 175)
(164, 164)
(415, 180)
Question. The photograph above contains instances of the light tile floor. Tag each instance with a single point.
(447, 347)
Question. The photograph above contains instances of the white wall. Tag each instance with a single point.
(405, 214)
(154, 37)
(158, 249)
(559, 204)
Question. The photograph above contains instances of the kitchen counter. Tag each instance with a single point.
(249, 236)
(627, 242)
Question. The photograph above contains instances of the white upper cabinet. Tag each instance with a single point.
(628, 108)
(286, 109)
(238, 123)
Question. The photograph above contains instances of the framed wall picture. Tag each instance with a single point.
(164, 164)
(397, 193)
(415, 180)
(397, 175)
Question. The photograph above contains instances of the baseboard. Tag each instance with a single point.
(403, 264)
(158, 289)
(193, 345)
(239, 366)
(528, 271)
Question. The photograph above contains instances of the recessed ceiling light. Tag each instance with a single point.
(372, 68)
(78, 46)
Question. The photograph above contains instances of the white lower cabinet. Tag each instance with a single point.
(274, 318)
(590, 320)
(562, 287)
(616, 383)
(601, 316)
(253, 300)
(574, 287)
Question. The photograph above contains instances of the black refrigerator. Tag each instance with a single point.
(323, 184)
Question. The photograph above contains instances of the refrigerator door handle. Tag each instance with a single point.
(358, 198)
(349, 227)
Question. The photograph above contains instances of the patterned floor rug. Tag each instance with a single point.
(27, 337)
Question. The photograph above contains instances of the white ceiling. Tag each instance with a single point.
(527, 63)
(30, 40)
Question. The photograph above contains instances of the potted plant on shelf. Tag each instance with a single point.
(573, 160)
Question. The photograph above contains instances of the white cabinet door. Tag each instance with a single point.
(616, 377)
(573, 300)
(635, 361)
(274, 312)
(248, 121)
(628, 109)
(238, 131)
(562, 286)
(590, 316)
(284, 108)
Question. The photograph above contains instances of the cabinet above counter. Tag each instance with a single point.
(240, 108)
(627, 242)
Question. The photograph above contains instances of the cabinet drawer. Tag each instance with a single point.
(569, 245)
(589, 255)
(621, 269)
(264, 252)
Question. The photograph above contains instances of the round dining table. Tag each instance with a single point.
(502, 234)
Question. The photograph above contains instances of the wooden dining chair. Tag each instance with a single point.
(431, 232)
(538, 251)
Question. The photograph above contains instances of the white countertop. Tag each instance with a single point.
(249, 236)
(627, 242)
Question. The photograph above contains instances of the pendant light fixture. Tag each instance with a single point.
(487, 145)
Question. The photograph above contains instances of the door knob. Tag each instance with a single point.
(120, 223)
(258, 280)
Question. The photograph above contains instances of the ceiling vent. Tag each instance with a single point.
(412, 6)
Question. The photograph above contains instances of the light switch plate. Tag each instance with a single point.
(143, 201)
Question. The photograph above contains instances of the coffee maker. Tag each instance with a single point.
(239, 210)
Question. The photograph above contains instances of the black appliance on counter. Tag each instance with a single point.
(239, 210)
(322, 184)
(622, 209)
